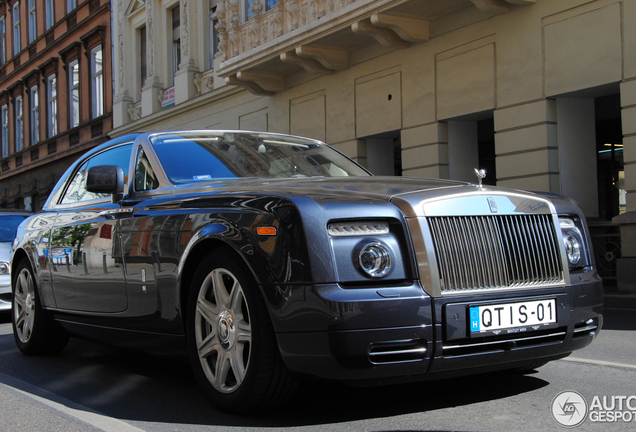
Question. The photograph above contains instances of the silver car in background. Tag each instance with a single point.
(9, 222)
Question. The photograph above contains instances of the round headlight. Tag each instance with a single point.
(375, 260)
(572, 248)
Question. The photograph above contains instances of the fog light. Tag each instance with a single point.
(572, 249)
(375, 260)
(4, 268)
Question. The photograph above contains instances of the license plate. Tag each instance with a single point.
(512, 317)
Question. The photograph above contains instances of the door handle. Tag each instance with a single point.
(112, 214)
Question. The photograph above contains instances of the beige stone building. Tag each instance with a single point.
(540, 93)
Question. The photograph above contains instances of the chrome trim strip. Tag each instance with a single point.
(116, 211)
(424, 256)
(406, 351)
(585, 329)
(546, 336)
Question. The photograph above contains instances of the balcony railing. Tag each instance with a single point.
(319, 35)
(295, 33)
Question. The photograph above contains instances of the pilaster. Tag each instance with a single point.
(526, 146)
(425, 151)
(152, 90)
(121, 105)
(184, 86)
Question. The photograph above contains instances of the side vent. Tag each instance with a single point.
(397, 351)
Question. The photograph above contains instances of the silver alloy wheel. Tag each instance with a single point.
(223, 331)
(24, 305)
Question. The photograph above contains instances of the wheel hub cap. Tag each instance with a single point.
(29, 303)
(227, 331)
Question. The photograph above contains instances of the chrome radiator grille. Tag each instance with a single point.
(492, 252)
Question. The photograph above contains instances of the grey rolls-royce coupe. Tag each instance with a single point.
(269, 258)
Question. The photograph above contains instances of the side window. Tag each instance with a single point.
(145, 178)
(76, 190)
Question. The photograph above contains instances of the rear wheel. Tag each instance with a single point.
(33, 331)
(231, 341)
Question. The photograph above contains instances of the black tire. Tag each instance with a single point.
(34, 332)
(231, 341)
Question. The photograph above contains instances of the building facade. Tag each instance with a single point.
(55, 92)
(540, 93)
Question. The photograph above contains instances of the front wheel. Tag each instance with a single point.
(33, 331)
(231, 341)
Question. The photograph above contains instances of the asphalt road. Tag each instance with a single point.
(90, 387)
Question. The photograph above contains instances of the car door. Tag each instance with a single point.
(87, 269)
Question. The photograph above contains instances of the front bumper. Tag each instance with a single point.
(394, 334)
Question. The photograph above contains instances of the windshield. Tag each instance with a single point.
(9, 226)
(201, 156)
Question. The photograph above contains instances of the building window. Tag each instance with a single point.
(33, 32)
(214, 34)
(70, 5)
(143, 68)
(247, 6)
(19, 124)
(97, 82)
(3, 40)
(73, 97)
(4, 118)
(51, 104)
(49, 6)
(176, 39)
(35, 115)
(16, 28)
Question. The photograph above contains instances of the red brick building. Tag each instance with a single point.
(55, 92)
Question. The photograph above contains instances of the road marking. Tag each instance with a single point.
(58, 403)
(599, 362)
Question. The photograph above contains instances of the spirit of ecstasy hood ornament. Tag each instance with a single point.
(481, 174)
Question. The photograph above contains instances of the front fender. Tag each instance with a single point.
(273, 259)
(31, 242)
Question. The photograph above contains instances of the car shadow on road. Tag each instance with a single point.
(5, 317)
(139, 387)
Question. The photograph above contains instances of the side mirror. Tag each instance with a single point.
(106, 179)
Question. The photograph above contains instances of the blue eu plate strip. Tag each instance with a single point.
(474, 319)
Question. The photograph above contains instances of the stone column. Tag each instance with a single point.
(425, 151)
(628, 103)
(576, 133)
(463, 150)
(626, 266)
(526, 146)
